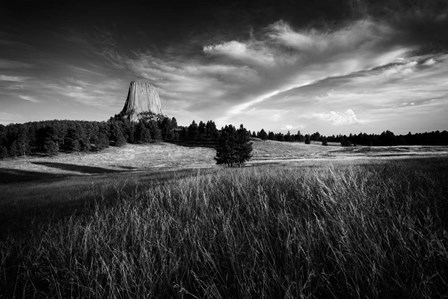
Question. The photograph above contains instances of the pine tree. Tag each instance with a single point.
(71, 141)
(244, 146)
(226, 147)
(102, 141)
(156, 133)
(142, 133)
(263, 135)
(211, 130)
(166, 127)
(51, 146)
(193, 131)
(234, 146)
(307, 139)
(116, 134)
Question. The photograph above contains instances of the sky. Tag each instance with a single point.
(328, 66)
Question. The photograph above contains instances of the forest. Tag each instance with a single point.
(54, 136)
(386, 138)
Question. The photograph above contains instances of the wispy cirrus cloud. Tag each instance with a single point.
(339, 118)
(29, 98)
(252, 53)
(234, 78)
(362, 74)
(12, 78)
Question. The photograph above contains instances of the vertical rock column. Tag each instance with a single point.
(142, 97)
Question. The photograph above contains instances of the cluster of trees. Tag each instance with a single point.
(51, 137)
(386, 138)
(288, 137)
(202, 132)
(233, 146)
(148, 129)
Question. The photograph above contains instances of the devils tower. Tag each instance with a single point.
(143, 99)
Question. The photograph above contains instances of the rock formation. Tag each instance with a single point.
(143, 99)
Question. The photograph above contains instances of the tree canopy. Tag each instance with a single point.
(234, 146)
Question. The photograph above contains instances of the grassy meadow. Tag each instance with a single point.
(332, 229)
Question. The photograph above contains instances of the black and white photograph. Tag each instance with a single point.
(224, 149)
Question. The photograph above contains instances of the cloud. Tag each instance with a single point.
(368, 66)
(12, 78)
(234, 76)
(338, 118)
(28, 98)
(250, 53)
(99, 93)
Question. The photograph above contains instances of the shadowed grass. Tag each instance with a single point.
(267, 232)
(78, 168)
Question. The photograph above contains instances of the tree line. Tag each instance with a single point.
(386, 138)
(52, 137)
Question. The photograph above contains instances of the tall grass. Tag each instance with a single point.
(268, 232)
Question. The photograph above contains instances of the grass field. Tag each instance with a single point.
(323, 229)
(167, 156)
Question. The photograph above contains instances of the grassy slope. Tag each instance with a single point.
(322, 231)
(167, 156)
(117, 159)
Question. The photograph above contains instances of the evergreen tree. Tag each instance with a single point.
(174, 122)
(183, 134)
(201, 130)
(279, 137)
(51, 145)
(71, 141)
(193, 131)
(156, 133)
(142, 133)
(262, 135)
(244, 146)
(211, 130)
(307, 139)
(315, 136)
(175, 131)
(116, 134)
(167, 129)
(234, 146)
(102, 141)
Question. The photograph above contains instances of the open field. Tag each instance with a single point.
(326, 230)
(167, 156)
(164, 221)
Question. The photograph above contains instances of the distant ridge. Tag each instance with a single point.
(143, 98)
